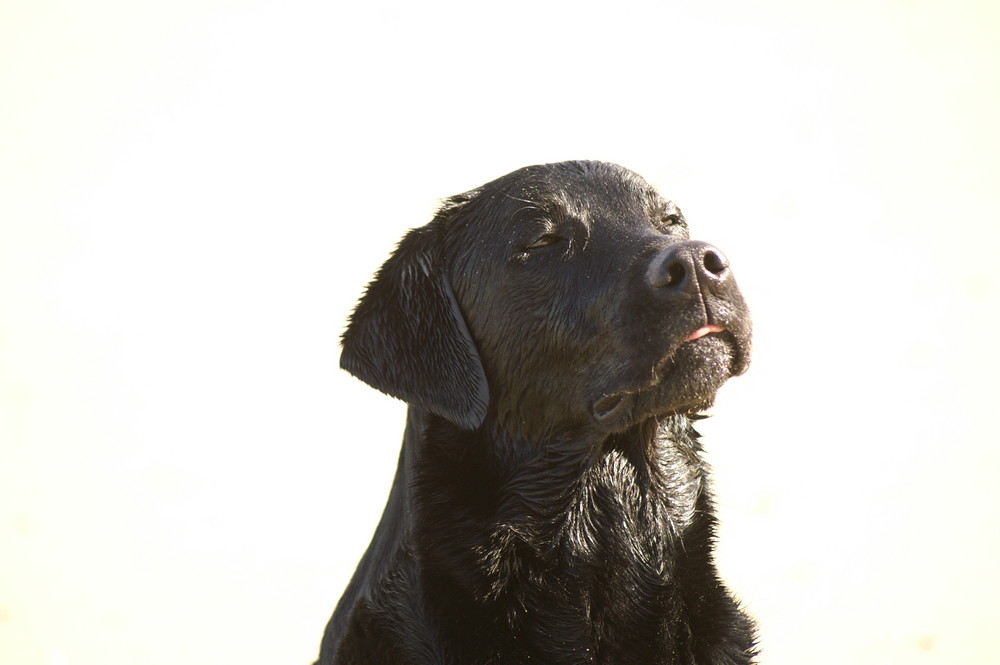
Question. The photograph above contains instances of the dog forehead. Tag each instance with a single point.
(589, 193)
(577, 188)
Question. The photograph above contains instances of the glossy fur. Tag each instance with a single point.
(555, 333)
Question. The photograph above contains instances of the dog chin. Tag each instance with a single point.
(693, 374)
(686, 382)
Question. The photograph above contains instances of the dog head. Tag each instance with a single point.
(558, 297)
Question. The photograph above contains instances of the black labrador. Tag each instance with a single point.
(555, 333)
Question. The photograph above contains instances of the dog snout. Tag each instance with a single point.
(685, 266)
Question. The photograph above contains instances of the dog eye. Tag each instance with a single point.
(544, 241)
(669, 223)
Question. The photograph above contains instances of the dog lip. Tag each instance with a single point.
(611, 407)
(704, 330)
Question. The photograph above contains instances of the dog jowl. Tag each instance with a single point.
(555, 332)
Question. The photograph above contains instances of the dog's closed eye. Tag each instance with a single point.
(545, 240)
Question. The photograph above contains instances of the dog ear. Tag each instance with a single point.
(407, 336)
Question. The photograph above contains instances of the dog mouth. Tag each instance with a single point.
(613, 408)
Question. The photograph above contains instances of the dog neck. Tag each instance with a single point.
(489, 517)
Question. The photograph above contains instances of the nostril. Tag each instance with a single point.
(715, 261)
(671, 269)
(675, 274)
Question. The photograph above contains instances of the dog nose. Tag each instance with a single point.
(681, 266)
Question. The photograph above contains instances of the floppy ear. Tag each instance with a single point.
(407, 336)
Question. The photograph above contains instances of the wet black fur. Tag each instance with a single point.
(550, 505)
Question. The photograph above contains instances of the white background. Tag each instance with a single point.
(193, 193)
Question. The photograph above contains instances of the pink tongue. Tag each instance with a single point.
(704, 330)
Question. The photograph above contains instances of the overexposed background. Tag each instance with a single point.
(193, 193)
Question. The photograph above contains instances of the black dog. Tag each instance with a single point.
(554, 332)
